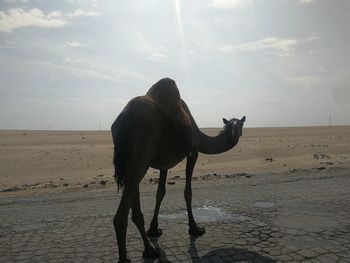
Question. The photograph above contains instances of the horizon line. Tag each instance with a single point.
(104, 130)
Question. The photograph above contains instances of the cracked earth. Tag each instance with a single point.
(292, 217)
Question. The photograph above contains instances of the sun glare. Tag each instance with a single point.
(179, 21)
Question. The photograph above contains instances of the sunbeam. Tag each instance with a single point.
(179, 22)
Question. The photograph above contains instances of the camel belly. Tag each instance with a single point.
(167, 161)
(171, 150)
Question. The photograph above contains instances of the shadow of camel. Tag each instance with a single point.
(217, 255)
(226, 255)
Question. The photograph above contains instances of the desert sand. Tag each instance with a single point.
(31, 160)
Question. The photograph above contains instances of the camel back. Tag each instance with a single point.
(166, 94)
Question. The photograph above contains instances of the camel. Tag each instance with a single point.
(157, 130)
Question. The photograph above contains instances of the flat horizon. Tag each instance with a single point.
(253, 127)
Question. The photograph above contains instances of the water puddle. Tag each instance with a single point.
(207, 214)
(210, 214)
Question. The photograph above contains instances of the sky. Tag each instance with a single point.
(74, 64)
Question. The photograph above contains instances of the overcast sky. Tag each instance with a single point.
(74, 64)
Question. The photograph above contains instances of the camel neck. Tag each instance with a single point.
(216, 144)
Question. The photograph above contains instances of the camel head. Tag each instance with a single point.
(234, 127)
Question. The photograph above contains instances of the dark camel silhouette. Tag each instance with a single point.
(157, 130)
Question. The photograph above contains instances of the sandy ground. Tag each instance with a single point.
(33, 160)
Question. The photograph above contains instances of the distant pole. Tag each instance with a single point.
(99, 126)
(329, 120)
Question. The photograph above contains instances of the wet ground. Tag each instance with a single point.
(294, 217)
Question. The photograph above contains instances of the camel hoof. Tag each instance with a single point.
(154, 232)
(196, 231)
(150, 253)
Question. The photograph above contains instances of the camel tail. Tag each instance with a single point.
(119, 140)
(118, 161)
(117, 175)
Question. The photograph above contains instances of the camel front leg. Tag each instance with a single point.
(153, 230)
(194, 229)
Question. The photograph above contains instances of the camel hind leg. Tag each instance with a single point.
(153, 230)
(137, 218)
(130, 197)
(120, 220)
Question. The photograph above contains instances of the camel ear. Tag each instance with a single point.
(225, 121)
(243, 119)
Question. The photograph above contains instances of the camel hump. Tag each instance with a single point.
(167, 95)
(165, 92)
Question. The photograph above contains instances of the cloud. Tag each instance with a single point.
(156, 56)
(69, 60)
(16, 18)
(302, 2)
(281, 47)
(226, 4)
(80, 13)
(75, 44)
